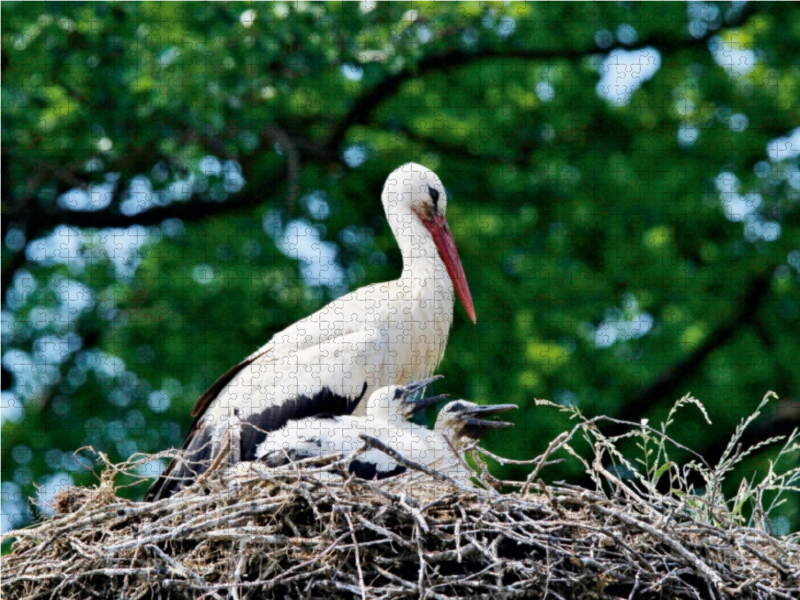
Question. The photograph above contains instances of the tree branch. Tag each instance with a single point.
(669, 385)
(457, 151)
(360, 113)
(14, 264)
(276, 134)
(363, 107)
(195, 209)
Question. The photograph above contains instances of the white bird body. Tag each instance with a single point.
(379, 335)
(314, 436)
(382, 334)
(457, 425)
(385, 420)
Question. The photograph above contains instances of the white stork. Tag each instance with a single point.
(386, 408)
(458, 423)
(382, 334)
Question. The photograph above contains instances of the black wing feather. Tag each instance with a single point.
(369, 470)
(196, 440)
(323, 403)
(197, 448)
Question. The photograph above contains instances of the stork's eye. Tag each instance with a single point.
(457, 407)
(434, 194)
(398, 393)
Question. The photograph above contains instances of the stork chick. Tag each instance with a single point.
(459, 423)
(387, 412)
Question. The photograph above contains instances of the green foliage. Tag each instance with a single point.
(705, 503)
(622, 250)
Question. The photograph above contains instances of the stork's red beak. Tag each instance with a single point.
(443, 239)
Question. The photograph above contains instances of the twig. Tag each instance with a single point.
(358, 558)
(375, 443)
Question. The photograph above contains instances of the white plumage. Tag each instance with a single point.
(387, 415)
(387, 411)
(382, 334)
(459, 423)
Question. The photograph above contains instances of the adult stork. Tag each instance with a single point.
(382, 334)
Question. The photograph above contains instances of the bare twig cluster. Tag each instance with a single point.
(310, 530)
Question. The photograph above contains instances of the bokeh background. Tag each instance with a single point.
(181, 181)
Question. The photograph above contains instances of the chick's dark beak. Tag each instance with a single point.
(415, 406)
(413, 388)
(474, 427)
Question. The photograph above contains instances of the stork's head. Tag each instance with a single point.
(461, 419)
(416, 202)
(393, 400)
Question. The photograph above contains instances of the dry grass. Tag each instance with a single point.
(308, 531)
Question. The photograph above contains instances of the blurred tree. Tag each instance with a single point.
(182, 180)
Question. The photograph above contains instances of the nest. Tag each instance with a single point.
(309, 530)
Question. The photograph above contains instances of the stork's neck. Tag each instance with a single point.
(426, 296)
(381, 414)
(427, 271)
(422, 265)
(449, 437)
